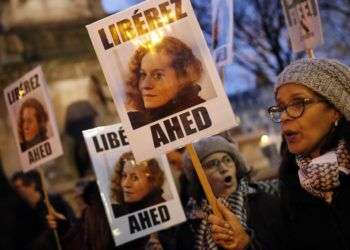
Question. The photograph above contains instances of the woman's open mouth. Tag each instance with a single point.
(290, 136)
(228, 180)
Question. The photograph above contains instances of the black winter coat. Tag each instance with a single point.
(264, 223)
(33, 232)
(312, 223)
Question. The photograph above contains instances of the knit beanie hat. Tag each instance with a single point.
(327, 77)
(211, 145)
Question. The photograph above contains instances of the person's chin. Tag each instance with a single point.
(294, 148)
(152, 105)
(28, 138)
(128, 199)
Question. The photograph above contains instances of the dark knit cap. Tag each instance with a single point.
(211, 145)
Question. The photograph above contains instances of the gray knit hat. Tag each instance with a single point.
(211, 145)
(327, 77)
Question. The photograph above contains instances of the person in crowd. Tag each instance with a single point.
(163, 80)
(8, 205)
(251, 219)
(36, 234)
(135, 186)
(32, 124)
(91, 231)
(313, 108)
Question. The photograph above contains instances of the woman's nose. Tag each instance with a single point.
(125, 182)
(223, 167)
(25, 125)
(147, 83)
(285, 116)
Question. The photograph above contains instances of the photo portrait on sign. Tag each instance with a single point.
(33, 120)
(135, 186)
(162, 76)
(163, 80)
(140, 198)
(32, 123)
(304, 24)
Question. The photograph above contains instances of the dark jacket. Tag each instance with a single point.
(8, 203)
(264, 223)
(310, 222)
(32, 228)
(186, 98)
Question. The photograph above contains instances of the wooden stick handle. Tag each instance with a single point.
(48, 207)
(310, 53)
(203, 179)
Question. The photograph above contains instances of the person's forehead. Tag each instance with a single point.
(291, 90)
(18, 182)
(216, 155)
(155, 60)
(29, 111)
(129, 168)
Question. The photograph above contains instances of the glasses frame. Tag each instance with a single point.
(303, 101)
(207, 165)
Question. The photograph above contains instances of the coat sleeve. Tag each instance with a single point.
(265, 223)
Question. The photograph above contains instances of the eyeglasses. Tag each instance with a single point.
(294, 109)
(215, 163)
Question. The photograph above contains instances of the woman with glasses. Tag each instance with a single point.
(251, 218)
(313, 108)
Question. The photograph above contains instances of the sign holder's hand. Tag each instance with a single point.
(53, 217)
(228, 232)
(51, 211)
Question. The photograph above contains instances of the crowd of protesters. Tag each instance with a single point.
(306, 207)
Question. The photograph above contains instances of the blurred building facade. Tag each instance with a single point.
(52, 33)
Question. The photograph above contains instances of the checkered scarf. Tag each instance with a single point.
(235, 202)
(319, 176)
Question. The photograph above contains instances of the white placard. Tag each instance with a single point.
(33, 120)
(304, 23)
(107, 147)
(161, 75)
(222, 31)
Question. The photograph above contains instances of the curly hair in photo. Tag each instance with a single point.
(187, 66)
(40, 115)
(155, 175)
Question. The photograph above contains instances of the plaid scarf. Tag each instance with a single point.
(235, 202)
(319, 176)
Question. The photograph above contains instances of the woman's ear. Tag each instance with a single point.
(336, 116)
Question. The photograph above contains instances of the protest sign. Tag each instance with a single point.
(222, 31)
(161, 75)
(304, 24)
(139, 198)
(32, 120)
